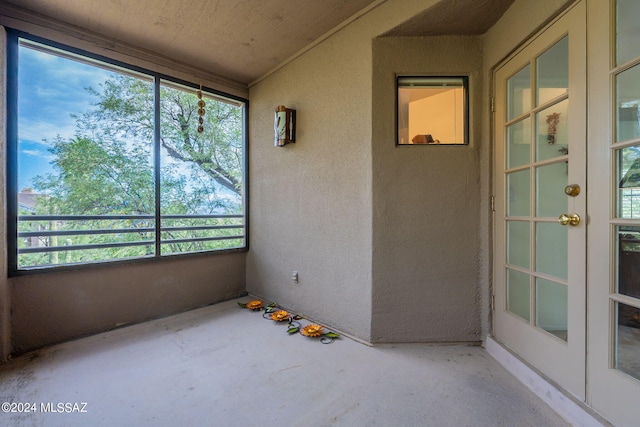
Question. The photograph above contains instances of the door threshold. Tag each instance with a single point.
(574, 411)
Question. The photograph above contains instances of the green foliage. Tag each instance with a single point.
(107, 168)
(94, 178)
(127, 104)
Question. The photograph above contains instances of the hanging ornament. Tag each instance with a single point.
(201, 110)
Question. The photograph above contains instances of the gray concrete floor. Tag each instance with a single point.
(226, 366)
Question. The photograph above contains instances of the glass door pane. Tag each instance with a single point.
(553, 72)
(519, 93)
(627, 101)
(628, 180)
(551, 307)
(627, 340)
(552, 133)
(628, 260)
(518, 294)
(550, 183)
(518, 193)
(519, 143)
(551, 249)
(627, 30)
(518, 247)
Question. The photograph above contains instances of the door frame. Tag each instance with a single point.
(571, 376)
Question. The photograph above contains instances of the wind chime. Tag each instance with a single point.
(201, 110)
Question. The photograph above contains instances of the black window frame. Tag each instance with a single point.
(437, 79)
(11, 187)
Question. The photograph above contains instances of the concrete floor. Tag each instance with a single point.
(226, 366)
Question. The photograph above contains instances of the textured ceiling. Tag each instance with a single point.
(244, 39)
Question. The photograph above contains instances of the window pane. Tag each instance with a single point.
(518, 243)
(627, 102)
(550, 183)
(629, 260)
(518, 193)
(85, 172)
(552, 139)
(519, 143)
(629, 182)
(201, 168)
(553, 72)
(551, 249)
(432, 110)
(518, 294)
(519, 93)
(627, 29)
(627, 340)
(551, 307)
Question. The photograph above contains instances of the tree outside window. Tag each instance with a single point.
(97, 181)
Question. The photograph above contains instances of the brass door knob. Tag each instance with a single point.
(569, 219)
(572, 190)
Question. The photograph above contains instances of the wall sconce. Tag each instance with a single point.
(284, 126)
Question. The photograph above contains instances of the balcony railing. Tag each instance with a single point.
(109, 237)
(630, 203)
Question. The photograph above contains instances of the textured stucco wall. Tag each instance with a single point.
(425, 204)
(432, 224)
(311, 202)
(55, 307)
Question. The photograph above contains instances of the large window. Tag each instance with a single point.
(108, 162)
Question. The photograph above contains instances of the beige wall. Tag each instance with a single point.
(425, 204)
(311, 202)
(520, 21)
(391, 243)
(54, 307)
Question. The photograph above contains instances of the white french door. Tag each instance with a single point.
(567, 243)
(614, 205)
(540, 200)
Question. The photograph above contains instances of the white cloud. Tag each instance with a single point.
(38, 153)
(35, 131)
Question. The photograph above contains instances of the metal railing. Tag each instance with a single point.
(630, 203)
(40, 233)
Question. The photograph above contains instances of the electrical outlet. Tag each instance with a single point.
(294, 277)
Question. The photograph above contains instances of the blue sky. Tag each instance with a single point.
(51, 89)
